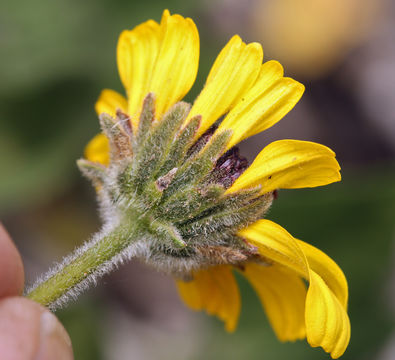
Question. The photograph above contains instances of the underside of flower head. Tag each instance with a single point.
(172, 170)
(176, 187)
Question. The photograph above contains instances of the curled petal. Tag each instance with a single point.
(214, 290)
(327, 323)
(330, 272)
(290, 164)
(326, 319)
(234, 71)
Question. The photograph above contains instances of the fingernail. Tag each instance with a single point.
(54, 340)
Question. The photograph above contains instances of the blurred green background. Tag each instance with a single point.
(56, 56)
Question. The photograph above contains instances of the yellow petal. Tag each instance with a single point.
(284, 247)
(276, 244)
(283, 295)
(330, 272)
(177, 63)
(290, 164)
(137, 51)
(267, 102)
(214, 290)
(234, 71)
(98, 150)
(109, 102)
(327, 323)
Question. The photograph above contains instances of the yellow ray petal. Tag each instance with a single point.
(327, 323)
(275, 243)
(285, 93)
(137, 52)
(98, 150)
(283, 295)
(233, 73)
(290, 164)
(214, 290)
(109, 101)
(278, 238)
(177, 63)
(267, 102)
(327, 269)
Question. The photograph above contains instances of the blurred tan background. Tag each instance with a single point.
(58, 55)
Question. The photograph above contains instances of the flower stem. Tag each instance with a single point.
(82, 268)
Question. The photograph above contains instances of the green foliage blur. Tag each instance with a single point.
(56, 58)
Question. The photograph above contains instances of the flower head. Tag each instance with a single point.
(172, 171)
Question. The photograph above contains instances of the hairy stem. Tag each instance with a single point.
(82, 268)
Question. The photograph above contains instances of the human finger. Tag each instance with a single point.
(29, 331)
(11, 267)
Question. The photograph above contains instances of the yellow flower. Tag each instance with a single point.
(162, 59)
